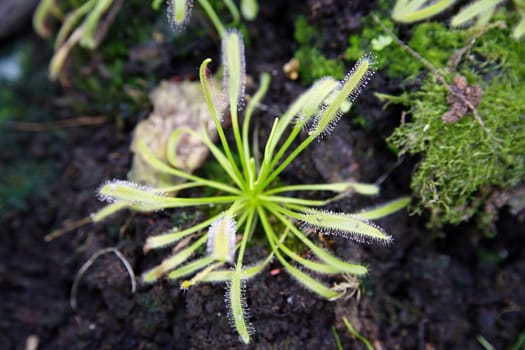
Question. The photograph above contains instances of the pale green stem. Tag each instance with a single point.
(219, 156)
(213, 17)
(288, 160)
(165, 239)
(39, 18)
(293, 200)
(71, 20)
(187, 202)
(156, 164)
(278, 211)
(362, 188)
(211, 107)
(239, 143)
(309, 264)
(234, 11)
(91, 23)
(291, 138)
(302, 277)
(190, 268)
(256, 99)
(180, 187)
(246, 234)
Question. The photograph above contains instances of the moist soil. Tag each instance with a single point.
(427, 290)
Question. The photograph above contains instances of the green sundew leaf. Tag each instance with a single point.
(173, 236)
(264, 84)
(179, 13)
(71, 20)
(484, 18)
(108, 210)
(237, 304)
(328, 258)
(180, 187)
(352, 86)
(311, 265)
(361, 188)
(158, 165)
(190, 268)
(223, 160)
(143, 198)
(219, 276)
(211, 107)
(40, 16)
(132, 194)
(301, 110)
(234, 12)
(249, 9)
(171, 148)
(346, 225)
(205, 85)
(473, 10)
(356, 334)
(91, 23)
(412, 11)
(246, 273)
(310, 282)
(172, 262)
(384, 210)
(234, 67)
(320, 92)
(485, 343)
(520, 343)
(519, 30)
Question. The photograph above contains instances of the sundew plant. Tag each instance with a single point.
(252, 201)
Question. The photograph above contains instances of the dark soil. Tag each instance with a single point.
(426, 291)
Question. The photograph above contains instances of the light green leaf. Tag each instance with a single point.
(234, 67)
(237, 304)
(172, 262)
(385, 209)
(346, 225)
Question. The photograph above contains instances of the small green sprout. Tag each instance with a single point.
(357, 335)
(251, 195)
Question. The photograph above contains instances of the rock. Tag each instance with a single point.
(175, 105)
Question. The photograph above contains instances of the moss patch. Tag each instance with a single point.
(313, 64)
(462, 165)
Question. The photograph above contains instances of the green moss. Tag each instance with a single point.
(462, 165)
(386, 55)
(313, 64)
(434, 40)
